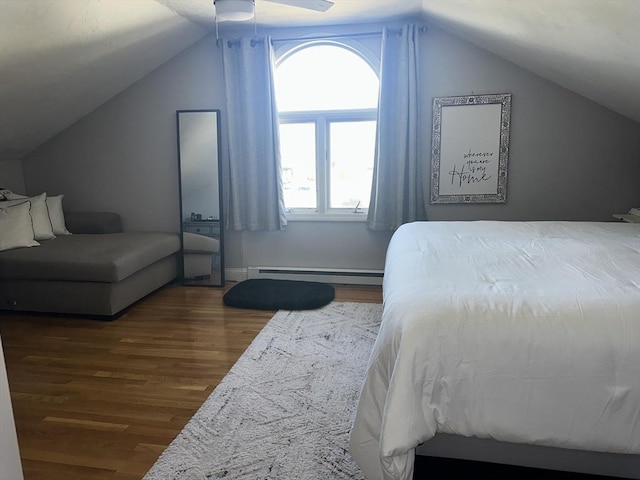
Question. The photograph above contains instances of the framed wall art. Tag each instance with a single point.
(470, 148)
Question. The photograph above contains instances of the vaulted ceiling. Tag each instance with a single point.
(61, 59)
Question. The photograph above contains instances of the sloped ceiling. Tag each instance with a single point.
(61, 59)
(591, 47)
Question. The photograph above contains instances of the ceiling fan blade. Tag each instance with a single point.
(318, 5)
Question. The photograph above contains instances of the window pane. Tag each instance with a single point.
(325, 77)
(352, 151)
(298, 160)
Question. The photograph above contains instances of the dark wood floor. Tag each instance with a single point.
(101, 400)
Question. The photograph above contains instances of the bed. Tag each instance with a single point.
(516, 332)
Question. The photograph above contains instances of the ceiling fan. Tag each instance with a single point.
(240, 10)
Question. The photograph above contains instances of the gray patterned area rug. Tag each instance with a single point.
(285, 408)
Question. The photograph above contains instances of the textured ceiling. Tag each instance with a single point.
(60, 59)
(589, 46)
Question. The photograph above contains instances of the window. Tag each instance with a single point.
(327, 98)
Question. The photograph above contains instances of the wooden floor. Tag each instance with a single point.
(98, 400)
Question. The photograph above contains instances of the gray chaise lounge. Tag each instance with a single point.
(96, 271)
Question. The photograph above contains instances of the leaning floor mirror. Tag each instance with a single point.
(200, 197)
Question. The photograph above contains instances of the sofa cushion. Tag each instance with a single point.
(56, 214)
(42, 228)
(93, 222)
(16, 228)
(196, 243)
(94, 258)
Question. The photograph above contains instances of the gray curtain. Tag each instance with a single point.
(397, 193)
(255, 198)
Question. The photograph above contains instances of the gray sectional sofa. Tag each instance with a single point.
(99, 270)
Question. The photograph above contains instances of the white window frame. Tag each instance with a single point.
(323, 120)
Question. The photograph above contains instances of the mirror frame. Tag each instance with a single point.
(217, 133)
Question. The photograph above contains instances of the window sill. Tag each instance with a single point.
(327, 217)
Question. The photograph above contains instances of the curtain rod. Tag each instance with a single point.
(396, 31)
(338, 35)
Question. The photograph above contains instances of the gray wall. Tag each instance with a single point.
(122, 157)
(569, 158)
(11, 176)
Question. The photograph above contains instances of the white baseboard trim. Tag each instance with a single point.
(235, 274)
(313, 274)
(326, 275)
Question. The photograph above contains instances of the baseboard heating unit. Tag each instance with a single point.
(326, 275)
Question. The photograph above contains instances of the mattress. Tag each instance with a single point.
(524, 332)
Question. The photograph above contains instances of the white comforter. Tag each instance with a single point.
(520, 332)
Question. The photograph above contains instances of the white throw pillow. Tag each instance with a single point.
(9, 195)
(5, 193)
(42, 227)
(16, 229)
(54, 204)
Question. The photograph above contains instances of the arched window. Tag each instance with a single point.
(327, 97)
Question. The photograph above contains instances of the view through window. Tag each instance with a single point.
(327, 97)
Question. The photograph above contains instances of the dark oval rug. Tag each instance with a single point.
(268, 294)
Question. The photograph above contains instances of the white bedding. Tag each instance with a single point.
(520, 332)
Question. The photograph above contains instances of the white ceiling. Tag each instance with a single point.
(60, 59)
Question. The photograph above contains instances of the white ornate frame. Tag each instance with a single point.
(469, 102)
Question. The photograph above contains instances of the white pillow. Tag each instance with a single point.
(9, 195)
(54, 204)
(42, 228)
(5, 193)
(16, 229)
